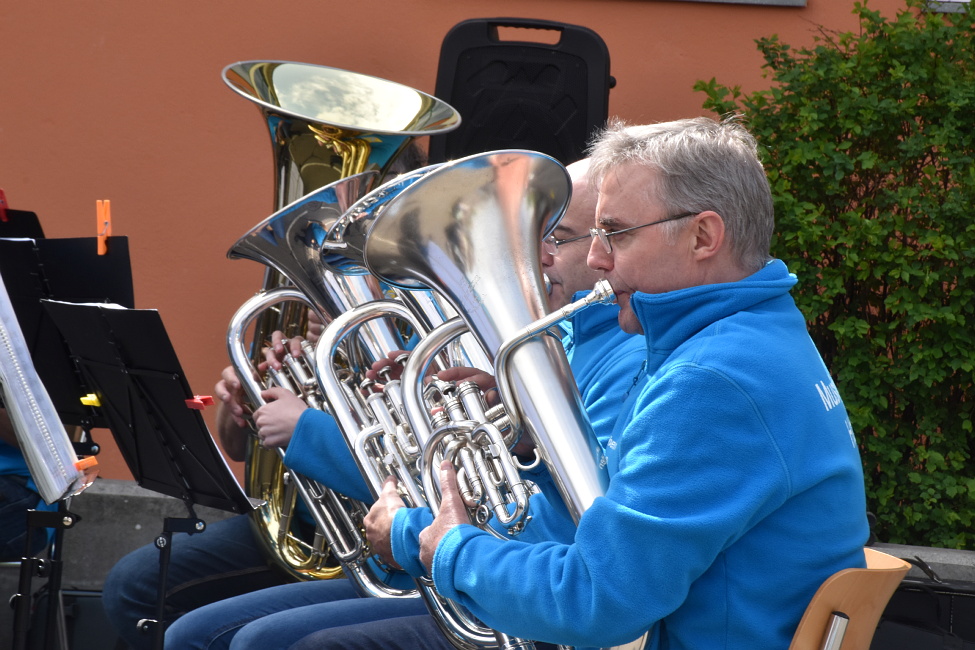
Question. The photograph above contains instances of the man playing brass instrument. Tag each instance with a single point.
(605, 361)
(735, 481)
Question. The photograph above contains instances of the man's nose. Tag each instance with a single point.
(547, 258)
(599, 259)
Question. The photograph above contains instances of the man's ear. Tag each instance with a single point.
(709, 233)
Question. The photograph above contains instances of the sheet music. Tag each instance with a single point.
(43, 440)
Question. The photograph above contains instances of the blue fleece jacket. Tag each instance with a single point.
(735, 489)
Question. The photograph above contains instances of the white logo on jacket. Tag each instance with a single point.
(829, 394)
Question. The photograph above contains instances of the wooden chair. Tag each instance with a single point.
(846, 608)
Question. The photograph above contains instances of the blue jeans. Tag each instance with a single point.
(406, 633)
(279, 616)
(15, 500)
(223, 561)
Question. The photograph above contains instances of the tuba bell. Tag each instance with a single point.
(326, 125)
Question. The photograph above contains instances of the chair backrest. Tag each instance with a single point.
(858, 594)
(522, 83)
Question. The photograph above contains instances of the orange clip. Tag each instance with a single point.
(87, 465)
(85, 462)
(199, 402)
(104, 225)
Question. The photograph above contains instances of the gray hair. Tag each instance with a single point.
(700, 165)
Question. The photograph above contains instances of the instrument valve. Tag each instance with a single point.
(438, 417)
(497, 416)
(481, 515)
(454, 409)
(518, 528)
(386, 373)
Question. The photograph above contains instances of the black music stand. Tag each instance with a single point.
(70, 270)
(126, 355)
(34, 268)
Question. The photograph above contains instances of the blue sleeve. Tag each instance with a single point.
(405, 538)
(319, 451)
(548, 522)
(684, 486)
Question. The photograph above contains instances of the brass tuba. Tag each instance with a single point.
(326, 125)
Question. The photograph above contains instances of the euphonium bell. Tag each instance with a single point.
(290, 241)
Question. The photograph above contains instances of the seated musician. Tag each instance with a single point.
(605, 361)
(735, 481)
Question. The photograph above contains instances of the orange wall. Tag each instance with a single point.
(123, 100)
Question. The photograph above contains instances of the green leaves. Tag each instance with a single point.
(869, 142)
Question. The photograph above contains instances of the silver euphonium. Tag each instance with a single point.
(375, 427)
(470, 231)
(326, 125)
(288, 241)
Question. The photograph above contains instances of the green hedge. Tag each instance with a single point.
(869, 140)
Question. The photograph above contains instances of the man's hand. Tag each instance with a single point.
(379, 521)
(277, 419)
(485, 381)
(230, 393)
(281, 345)
(452, 512)
(232, 427)
(315, 327)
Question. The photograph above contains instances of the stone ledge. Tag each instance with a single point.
(948, 564)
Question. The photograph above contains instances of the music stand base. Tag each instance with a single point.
(59, 520)
(164, 542)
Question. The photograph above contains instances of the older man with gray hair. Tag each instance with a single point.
(735, 487)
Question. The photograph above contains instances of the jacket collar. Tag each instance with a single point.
(670, 318)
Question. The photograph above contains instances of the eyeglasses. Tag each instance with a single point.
(603, 236)
(551, 245)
